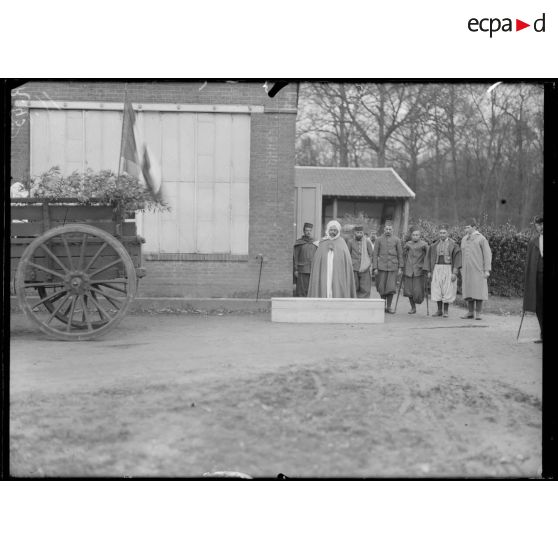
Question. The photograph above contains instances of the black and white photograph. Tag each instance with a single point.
(276, 279)
(273, 279)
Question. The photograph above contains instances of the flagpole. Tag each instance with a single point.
(134, 153)
(122, 132)
(121, 214)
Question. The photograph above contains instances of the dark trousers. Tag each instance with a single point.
(386, 283)
(363, 283)
(302, 284)
(539, 299)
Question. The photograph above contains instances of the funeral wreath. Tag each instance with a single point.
(123, 191)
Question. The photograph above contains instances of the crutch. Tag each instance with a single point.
(398, 291)
(520, 324)
(401, 282)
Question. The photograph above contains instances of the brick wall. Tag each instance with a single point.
(271, 228)
(271, 182)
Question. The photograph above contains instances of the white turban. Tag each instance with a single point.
(336, 225)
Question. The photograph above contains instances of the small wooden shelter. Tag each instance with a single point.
(369, 195)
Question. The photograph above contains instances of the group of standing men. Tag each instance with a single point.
(333, 268)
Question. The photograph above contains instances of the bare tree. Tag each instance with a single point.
(412, 140)
(466, 149)
(379, 110)
(524, 108)
(325, 116)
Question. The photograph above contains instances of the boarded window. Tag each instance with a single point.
(205, 162)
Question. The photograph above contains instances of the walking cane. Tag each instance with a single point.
(520, 324)
(260, 276)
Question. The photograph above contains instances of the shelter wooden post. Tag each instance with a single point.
(397, 218)
(308, 208)
(405, 223)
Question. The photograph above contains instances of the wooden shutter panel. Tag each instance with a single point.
(240, 176)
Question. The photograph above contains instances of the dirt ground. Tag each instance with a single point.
(183, 394)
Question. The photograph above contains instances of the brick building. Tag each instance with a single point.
(227, 158)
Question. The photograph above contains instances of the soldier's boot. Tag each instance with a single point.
(389, 310)
(470, 310)
(446, 309)
(478, 309)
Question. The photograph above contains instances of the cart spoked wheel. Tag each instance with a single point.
(84, 278)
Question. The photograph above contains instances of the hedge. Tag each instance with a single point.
(508, 245)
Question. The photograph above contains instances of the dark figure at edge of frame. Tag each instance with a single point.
(414, 253)
(303, 254)
(476, 264)
(362, 252)
(387, 265)
(442, 264)
(533, 292)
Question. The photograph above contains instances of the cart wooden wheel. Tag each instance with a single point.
(84, 278)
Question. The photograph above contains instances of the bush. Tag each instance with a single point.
(124, 192)
(509, 250)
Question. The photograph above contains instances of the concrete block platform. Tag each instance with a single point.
(328, 310)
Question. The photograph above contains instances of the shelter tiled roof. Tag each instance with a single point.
(361, 182)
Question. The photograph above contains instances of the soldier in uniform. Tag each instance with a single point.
(362, 252)
(442, 264)
(303, 254)
(387, 264)
(414, 253)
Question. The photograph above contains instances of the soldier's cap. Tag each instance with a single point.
(358, 228)
(538, 220)
(308, 226)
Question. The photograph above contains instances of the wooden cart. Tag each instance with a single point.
(74, 267)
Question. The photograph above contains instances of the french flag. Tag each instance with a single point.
(135, 156)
